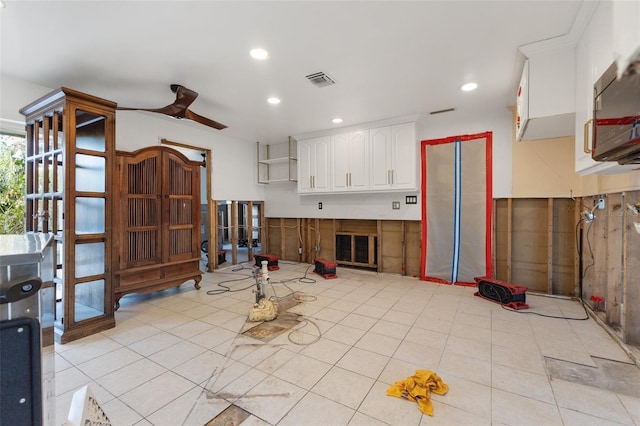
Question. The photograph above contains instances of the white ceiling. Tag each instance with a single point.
(389, 58)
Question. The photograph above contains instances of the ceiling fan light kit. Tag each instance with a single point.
(180, 108)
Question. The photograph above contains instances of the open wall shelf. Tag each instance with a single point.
(277, 163)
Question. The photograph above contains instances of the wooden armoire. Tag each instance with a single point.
(70, 146)
(156, 221)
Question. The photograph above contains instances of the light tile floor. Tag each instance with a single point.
(177, 357)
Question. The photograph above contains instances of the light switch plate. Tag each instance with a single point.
(411, 199)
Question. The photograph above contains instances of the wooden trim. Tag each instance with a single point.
(234, 232)
(615, 249)
(283, 237)
(577, 273)
(211, 213)
(379, 244)
(509, 236)
(264, 231)
(550, 246)
(403, 266)
(494, 232)
(249, 221)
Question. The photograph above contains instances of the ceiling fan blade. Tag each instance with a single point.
(184, 96)
(171, 110)
(180, 108)
(203, 120)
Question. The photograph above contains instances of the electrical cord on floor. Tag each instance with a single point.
(305, 321)
(496, 295)
(227, 289)
(304, 279)
(299, 297)
(241, 267)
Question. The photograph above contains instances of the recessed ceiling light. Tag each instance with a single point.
(274, 101)
(259, 54)
(469, 87)
(337, 120)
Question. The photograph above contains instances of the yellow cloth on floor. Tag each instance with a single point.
(418, 389)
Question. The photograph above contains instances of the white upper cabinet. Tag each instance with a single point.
(626, 37)
(378, 159)
(350, 161)
(393, 152)
(313, 165)
(545, 104)
(594, 54)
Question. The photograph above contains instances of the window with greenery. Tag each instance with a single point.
(12, 184)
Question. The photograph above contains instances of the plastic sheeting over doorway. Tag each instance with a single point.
(456, 208)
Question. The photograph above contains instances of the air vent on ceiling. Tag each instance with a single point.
(320, 79)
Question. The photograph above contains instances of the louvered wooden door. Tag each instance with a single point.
(141, 209)
(158, 226)
(182, 203)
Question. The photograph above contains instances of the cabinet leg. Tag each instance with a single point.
(197, 282)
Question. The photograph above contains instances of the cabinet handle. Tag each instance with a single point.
(346, 179)
(587, 147)
(349, 178)
(392, 177)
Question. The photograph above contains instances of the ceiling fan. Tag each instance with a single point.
(180, 108)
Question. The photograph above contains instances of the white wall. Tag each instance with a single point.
(234, 160)
(15, 94)
(284, 201)
(499, 122)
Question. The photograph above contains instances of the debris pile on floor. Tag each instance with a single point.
(418, 388)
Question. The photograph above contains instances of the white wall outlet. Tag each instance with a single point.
(395, 205)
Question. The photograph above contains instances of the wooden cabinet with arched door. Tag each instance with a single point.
(157, 221)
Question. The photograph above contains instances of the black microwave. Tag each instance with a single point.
(616, 116)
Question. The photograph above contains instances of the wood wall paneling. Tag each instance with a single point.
(631, 307)
(413, 247)
(501, 240)
(564, 247)
(529, 252)
(613, 215)
(534, 243)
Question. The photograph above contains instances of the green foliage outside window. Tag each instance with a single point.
(12, 184)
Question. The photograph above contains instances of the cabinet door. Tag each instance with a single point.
(313, 165)
(340, 162)
(379, 150)
(306, 165)
(593, 57)
(140, 210)
(322, 148)
(181, 208)
(403, 156)
(358, 143)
